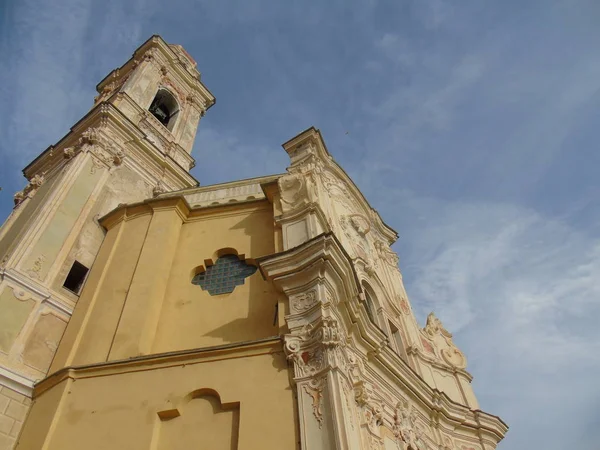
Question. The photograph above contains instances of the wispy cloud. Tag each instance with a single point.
(519, 291)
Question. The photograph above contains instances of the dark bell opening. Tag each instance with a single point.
(160, 112)
(164, 108)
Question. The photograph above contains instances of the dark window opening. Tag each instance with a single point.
(76, 277)
(164, 107)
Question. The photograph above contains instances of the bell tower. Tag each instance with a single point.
(135, 143)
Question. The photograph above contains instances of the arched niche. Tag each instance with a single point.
(371, 303)
(200, 421)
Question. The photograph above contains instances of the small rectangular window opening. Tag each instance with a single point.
(76, 277)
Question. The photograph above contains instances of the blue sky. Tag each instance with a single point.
(471, 126)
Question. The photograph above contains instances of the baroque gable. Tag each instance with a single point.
(343, 291)
(316, 196)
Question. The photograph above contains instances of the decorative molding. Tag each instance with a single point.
(16, 382)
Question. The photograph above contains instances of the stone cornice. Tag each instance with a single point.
(16, 382)
(106, 117)
(156, 361)
(182, 207)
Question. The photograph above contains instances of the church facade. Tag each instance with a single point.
(141, 311)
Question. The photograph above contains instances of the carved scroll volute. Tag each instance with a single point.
(299, 186)
(442, 339)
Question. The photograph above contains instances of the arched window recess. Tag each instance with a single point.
(165, 108)
(370, 305)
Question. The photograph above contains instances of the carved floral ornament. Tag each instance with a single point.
(304, 301)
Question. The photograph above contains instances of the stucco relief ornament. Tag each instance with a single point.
(314, 388)
(158, 189)
(89, 137)
(19, 197)
(300, 349)
(34, 184)
(360, 223)
(100, 160)
(387, 254)
(307, 362)
(356, 227)
(451, 355)
(454, 357)
(330, 333)
(118, 157)
(404, 307)
(293, 191)
(367, 398)
(69, 152)
(304, 301)
(36, 181)
(150, 55)
(406, 428)
(20, 294)
(34, 272)
(434, 326)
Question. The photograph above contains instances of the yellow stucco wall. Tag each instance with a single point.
(16, 225)
(139, 298)
(14, 314)
(118, 406)
(190, 316)
(90, 332)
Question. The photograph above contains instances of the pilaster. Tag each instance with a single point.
(139, 319)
